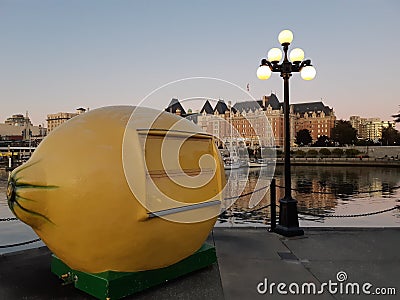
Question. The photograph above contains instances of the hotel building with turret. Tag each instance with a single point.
(250, 119)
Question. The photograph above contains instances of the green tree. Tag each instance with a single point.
(325, 152)
(390, 136)
(343, 133)
(352, 152)
(337, 152)
(312, 153)
(323, 141)
(299, 153)
(303, 137)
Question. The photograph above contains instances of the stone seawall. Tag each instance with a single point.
(372, 151)
(368, 162)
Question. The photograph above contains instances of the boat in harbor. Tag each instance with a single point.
(256, 163)
(231, 163)
(232, 160)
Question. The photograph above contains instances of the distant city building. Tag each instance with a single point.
(355, 122)
(20, 128)
(249, 119)
(318, 118)
(175, 107)
(55, 120)
(216, 120)
(252, 117)
(370, 128)
(18, 120)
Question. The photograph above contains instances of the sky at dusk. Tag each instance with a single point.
(63, 54)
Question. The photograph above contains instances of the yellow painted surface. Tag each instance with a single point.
(83, 188)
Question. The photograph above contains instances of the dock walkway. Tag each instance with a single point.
(246, 258)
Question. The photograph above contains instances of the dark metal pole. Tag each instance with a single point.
(288, 218)
(286, 109)
(273, 204)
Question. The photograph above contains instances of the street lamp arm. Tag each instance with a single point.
(265, 62)
(274, 66)
(286, 66)
(305, 63)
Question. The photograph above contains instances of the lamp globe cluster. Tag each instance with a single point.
(296, 57)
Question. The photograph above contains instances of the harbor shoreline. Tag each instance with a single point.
(367, 162)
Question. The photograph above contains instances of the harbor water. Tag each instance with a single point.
(327, 196)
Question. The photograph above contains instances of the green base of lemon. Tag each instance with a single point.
(116, 285)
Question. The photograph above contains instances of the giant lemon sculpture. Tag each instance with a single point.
(107, 191)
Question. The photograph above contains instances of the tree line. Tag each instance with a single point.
(344, 134)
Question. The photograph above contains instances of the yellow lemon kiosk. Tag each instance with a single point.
(123, 196)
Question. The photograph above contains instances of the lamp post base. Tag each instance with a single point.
(288, 231)
(288, 220)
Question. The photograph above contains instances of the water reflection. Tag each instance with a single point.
(318, 189)
(345, 182)
(252, 181)
(3, 192)
(12, 232)
(322, 190)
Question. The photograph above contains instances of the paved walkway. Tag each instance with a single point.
(246, 257)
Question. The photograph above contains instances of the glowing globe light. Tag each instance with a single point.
(296, 55)
(308, 73)
(285, 37)
(274, 55)
(263, 72)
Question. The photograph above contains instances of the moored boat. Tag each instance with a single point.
(256, 163)
(231, 163)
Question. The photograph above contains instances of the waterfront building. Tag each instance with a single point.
(54, 120)
(318, 118)
(258, 113)
(20, 128)
(216, 121)
(20, 133)
(249, 120)
(18, 120)
(175, 107)
(370, 128)
(355, 122)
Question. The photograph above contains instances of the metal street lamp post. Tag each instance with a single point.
(288, 219)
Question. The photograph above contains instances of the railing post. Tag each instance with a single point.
(273, 204)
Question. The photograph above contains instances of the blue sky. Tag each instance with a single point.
(59, 55)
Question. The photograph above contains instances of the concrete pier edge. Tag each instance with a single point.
(246, 257)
